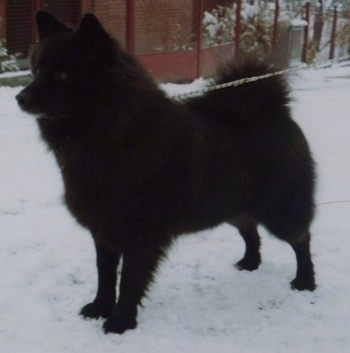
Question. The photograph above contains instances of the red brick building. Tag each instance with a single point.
(152, 29)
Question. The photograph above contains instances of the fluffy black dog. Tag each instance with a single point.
(140, 168)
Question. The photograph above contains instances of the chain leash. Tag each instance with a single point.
(242, 81)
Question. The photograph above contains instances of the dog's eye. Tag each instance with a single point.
(60, 76)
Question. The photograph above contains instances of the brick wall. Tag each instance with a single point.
(19, 26)
(163, 25)
(67, 11)
(211, 4)
(160, 25)
(2, 20)
(112, 14)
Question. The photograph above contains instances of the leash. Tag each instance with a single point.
(322, 65)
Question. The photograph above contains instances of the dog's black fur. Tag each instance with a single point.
(140, 168)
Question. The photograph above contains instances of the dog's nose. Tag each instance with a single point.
(23, 98)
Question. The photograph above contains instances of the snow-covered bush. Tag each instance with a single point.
(343, 38)
(218, 26)
(7, 62)
(256, 26)
(257, 23)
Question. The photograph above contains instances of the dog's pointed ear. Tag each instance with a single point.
(48, 25)
(91, 25)
(93, 34)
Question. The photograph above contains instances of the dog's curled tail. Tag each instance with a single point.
(261, 99)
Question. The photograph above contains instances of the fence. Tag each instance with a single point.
(188, 38)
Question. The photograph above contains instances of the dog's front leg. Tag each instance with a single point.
(107, 262)
(140, 261)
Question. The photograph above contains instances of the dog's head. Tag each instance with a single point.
(65, 65)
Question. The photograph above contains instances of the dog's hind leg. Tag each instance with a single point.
(247, 228)
(140, 261)
(305, 277)
(104, 303)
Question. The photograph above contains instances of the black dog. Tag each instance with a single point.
(140, 168)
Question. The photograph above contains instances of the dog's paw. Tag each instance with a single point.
(303, 284)
(248, 264)
(119, 324)
(96, 310)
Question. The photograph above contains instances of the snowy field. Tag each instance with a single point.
(199, 303)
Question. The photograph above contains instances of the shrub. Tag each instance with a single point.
(7, 62)
(256, 21)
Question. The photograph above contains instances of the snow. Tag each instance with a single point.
(15, 74)
(298, 23)
(199, 302)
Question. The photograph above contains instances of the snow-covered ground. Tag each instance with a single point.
(199, 302)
